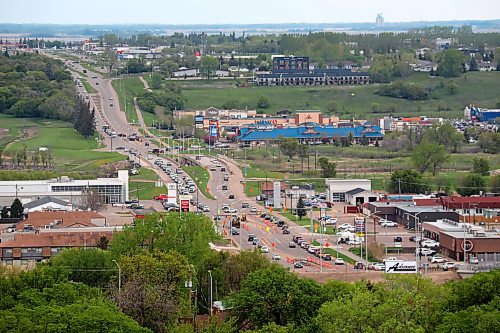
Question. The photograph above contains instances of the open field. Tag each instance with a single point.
(144, 190)
(479, 88)
(70, 151)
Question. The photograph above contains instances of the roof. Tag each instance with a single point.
(66, 218)
(309, 132)
(56, 239)
(45, 200)
(355, 191)
(470, 202)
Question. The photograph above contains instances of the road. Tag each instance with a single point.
(107, 104)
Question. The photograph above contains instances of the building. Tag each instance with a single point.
(454, 237)
(483, 115)
(186, 72)
(47, 203)
(424, 66)
(336, 189)
(256, 135)
(445, 43)
(359, 196)
(290, 63)
(27, 249)
(111, 190)
(61, 219)
(379, 21)
(472, 209)
(316, 77)
(486, 66)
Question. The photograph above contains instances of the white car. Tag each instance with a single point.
(276, 257)
(339, 261)
(429, 243)
(391, 259)
(353, 242)
(312, 248)
(437, 259)
(264, 249)
(426, 252)
(448, 265)
(345, 226)
(388, 224)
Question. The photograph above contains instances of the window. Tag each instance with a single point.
(7, 251)
(24, 262)
(24, 250)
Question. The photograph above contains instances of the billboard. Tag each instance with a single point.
(184, 199)
(277, 195)
(198, 120)
(400, 267)
(172, 193)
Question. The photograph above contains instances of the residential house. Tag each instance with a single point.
(487, 66)
(61, 219)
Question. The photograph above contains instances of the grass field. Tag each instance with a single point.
(479, 88)
(145, 174)
(145, 190)
(70, 151)
(201, 176)
(127, 89)
(88, 86)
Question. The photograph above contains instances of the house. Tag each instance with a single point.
(486, 66)
(27, 249)
(62, 219)
(47, 203)
(424, 66)
(221, 73)
(359, 196)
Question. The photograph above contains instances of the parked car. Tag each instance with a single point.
(376, 266)
(234, 231)
(473, 260)
(388, 224)
(345, 226)
(429, 243)
(264, 249)
(353, 242)
(359, 265)
(298, 265)
(437, 259)
(448, 265)
(251, 237)
(390, 259)
(398, 239)
(327, 257)
(276, 257)
(286, 231)
(424, 251)
(292, 245)
(161, 197)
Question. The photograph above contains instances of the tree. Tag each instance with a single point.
(490, 142)
(429, 157)
(109, 59)
(406, 181)
(473, 64)
(275, 295)
(450, 63)
(156, 80)
(152, 291)
(237, 267)
(103, 243)
(16, 209)
(328, 169)
(481, 166)
(303, 152)
(208, 66)
(445, 135)
(495, 184)
(263, 102)
(5, 212)
(192, 234)
(91, 199)
(94, 267)
(300, 208)
(289, 147)
(472, 184)
(364, 140)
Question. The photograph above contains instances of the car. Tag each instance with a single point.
(359, 265)
(345, 226)
(245, 205)
(437, 259)
(304, 245)
(353, 242)
(286, 231)
(473, 260)
(206, 209)
(110, 104)
(222, 169)
(426, 251)
(339, 261)
(390, 224)
(429, 243)
(311, 248)
(268, 218)
(224, 187)
(255, 241)
(390, 259)
(398, 239)
(276, 257)
(448, 265)
(376, 266)
(251, 237)
(298, 265)
(264, 249)
(231, 196)
(281, 223)
(413, 238)
(327, 257)
(161, 197)
(292, 245)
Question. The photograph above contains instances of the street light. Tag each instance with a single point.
(366, 237)
(119, 277)
(418, 237)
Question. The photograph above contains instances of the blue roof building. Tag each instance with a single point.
(309, 133)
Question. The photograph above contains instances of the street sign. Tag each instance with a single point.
(185, 205)
(327, 244)
(272, 244)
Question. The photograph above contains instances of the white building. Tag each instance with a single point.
(336, 189)
(359, 196)
(112, 190)
(186, 72)
(47, 203)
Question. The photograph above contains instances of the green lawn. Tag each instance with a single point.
(127, 89)
(145, 174)
(146, 190)
(335, 254)
(253, 172)
(12, 128)
(479, 88)
(202, 177)
(252, 188)
(71, 151)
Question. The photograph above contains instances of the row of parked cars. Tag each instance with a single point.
(317, 251)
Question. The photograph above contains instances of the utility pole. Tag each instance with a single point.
(119, 277)
(399, 185)
(211, 295)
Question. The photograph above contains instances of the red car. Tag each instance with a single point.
(161, 197)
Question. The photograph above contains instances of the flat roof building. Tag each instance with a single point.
(111, 190)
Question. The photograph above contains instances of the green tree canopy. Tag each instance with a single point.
(445, 135)
(408, 181)
(289, 147)
(429, 157)
(472, 184)
(481, 166)
(450, 63)
(208, 66)
(328, 169)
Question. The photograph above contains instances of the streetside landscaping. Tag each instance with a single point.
(127, 89)
(145, 190)
(201, 177)
(88, 86)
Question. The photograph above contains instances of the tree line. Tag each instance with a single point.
(83, 118)
(153, 276)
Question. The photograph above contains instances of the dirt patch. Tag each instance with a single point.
(436, 277)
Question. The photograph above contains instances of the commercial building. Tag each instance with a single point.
(111, 190)
(290, 63)
(336, 189)
(256, 135)
(316, 77)
(454, 237)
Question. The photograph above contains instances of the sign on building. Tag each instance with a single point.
(401, 267)
(277, 195)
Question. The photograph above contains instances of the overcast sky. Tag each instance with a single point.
(242, 11)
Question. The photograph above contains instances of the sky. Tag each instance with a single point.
(242, 11)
